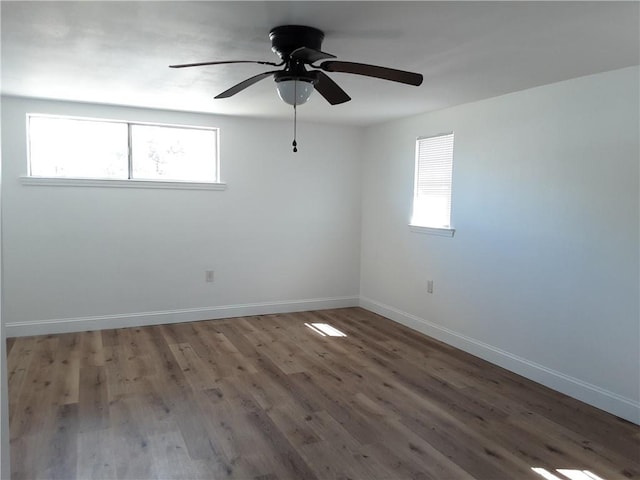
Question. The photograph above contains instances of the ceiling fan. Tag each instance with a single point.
(298, 47)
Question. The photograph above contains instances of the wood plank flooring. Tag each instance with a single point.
(266, 398)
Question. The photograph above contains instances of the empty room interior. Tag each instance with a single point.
(320, 240)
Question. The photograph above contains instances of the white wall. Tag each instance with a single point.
(285, 235)
(542, 273)
(5, 471)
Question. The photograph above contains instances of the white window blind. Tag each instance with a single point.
(432, 193)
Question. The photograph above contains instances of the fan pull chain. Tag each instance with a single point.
(295, 116)
(295, 144)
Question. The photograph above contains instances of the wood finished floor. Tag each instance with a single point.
(266, 398)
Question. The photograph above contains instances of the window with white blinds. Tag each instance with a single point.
(432, 193)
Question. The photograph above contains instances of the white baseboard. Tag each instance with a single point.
(82, 324)
(598, 397)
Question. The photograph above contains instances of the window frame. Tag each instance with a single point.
(35, 180)
(443, 231)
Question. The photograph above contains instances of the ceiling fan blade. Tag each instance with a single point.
(244, 84)
(309, 55)
(330, 90)
(224, 62)
(373, 71)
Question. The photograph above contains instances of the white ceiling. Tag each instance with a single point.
(118, 52)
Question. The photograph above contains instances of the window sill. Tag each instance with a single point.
(440, 232)
(100, 182)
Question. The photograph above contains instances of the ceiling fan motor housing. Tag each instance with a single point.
(287, 38)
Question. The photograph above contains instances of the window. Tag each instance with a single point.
(432, 191)
(64, 147)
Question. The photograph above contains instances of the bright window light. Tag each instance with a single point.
(172, 153)
(578, 474)
(66, 147)
(545, 473)
(325, 330)
(315, 329)
(567, 473)
(433, 176)
(108, 149)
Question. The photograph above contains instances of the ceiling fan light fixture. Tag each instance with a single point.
(294, 91)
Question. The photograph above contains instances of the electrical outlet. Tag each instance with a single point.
(430, 286)
(208, 276)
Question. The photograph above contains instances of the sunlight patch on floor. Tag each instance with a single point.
(567, 473)
(325, 330)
